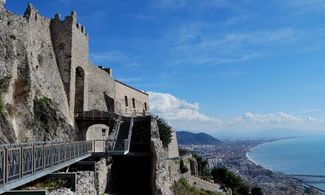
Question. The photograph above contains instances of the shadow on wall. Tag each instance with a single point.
(131, 175)
(109, 103)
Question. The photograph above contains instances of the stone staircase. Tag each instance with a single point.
(140, 141)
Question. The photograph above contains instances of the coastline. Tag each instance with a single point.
(261, 144)
(235, 156)
(251, 160)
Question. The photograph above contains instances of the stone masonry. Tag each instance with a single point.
(42, 57)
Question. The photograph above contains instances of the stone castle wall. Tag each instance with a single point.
(130, 100)
(173, 147)
(41, 57)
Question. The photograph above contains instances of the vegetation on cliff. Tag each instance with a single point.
(182, 187)
(49, 123)
(223, 176)
(203, 168)
(165, 131)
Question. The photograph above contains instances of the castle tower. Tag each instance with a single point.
(2, 2)
(70, 42)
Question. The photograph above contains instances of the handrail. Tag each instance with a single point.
(116, 130)
(22, 160)
(96, 114)
(127, 146)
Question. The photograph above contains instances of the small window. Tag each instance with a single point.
(145, 106)
(133, 102)
(126, 101)
(103, 132)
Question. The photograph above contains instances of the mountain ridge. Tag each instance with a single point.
(188, 138)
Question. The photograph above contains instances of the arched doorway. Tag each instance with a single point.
(98, 132)
(79, 90)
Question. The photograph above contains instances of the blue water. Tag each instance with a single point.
(304, 155)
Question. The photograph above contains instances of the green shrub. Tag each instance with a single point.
(202, 166)
(165, 132)
(257, 191)
(228, 178)
(45, 101)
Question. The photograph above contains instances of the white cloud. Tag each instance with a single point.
(278, 119)
(180, 113)
(183, 115)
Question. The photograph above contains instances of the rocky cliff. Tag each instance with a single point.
(30, 85)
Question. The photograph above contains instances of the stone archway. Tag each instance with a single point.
(79, 90)
(97, 132)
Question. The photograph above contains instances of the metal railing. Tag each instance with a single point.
(116, 129)
(121, 146)
(22, 160)
(134, 113)
(95, 114)
(104, 115)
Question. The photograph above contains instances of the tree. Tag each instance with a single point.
(165, 131)
(257, 191)
(231, 180)
(202, 166)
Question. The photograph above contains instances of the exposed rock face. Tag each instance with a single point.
(2, 2)
(102, 171)
(27, 63)
(194, 167)
(7, 133)
(86, 183)
(41, 57)
(173, 146)
(160, 173)
(49, 123)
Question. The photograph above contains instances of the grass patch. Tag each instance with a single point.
(44, 105)
(45, 101)
(51, 184)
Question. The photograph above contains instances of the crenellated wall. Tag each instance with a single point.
(100, 91)
(41, 57)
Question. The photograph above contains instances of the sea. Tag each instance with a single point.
(299, 156)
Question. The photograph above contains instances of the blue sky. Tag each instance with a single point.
(227, 67)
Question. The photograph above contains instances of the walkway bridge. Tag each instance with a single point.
(23, 163)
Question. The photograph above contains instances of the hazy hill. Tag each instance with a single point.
(187, 138)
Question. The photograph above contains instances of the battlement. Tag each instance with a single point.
(32, 15)
(31, 12)
(72, 20)
(2, 2)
